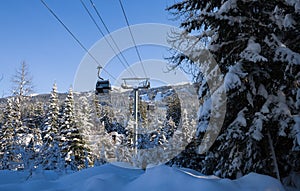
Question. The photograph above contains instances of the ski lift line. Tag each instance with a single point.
(74, 37)
(114, 42)
(99, 29)
(134, 43)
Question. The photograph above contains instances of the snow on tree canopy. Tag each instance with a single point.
(295, 3)
(285, 54)
(232, 78)
(282, 52)
(204, 113)
(256, 45)
(257, 126)
(296, 130)
(288, 21)
(262, 91)
(251, 53)
(298, 99)
(297, 7)
(240, 120)
(234, 130)
(228, 5)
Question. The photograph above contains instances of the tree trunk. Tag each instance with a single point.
(276, 170)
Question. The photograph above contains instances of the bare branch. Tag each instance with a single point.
(22, 81)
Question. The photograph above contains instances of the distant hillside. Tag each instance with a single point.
(152, 93)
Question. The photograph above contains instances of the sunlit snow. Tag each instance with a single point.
(113, 178)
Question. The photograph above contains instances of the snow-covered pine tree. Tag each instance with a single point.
(72, 145)
(84, 113)
(29, 155)
(33, 121)
(51, 125)
(21, 89)
(256, 45)
(7, 136)
(49, 153)
(12, 136)
(188, 126)
(173, 110)
(86, 125)
(174, 142)
(104, 147)
(20, 134)
(96, 104)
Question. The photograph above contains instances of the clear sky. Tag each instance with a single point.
(28, 32)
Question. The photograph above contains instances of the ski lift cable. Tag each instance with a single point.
(75, 38)
(102, 33)
(109, 34)
(131, 34)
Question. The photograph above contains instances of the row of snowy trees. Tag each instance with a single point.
(163, 132)
(255, 45)
(79, 131)
(34, 137)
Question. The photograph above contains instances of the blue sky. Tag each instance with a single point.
(28, 32)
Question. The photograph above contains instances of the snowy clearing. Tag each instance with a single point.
(110, 177)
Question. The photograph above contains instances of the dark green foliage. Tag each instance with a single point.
(11, 133)
(71, 141)
(49, 152)
(256, 46)
(174, 108)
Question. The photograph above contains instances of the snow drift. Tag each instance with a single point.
(113, 178)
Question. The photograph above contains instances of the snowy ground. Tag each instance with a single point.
(110, 177)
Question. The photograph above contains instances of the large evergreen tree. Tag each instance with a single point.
(7, 136)
(33, 121)
(256, 46)
(73, 147)
(86, 126)
(50, 153)
(12, 136)
(51, 125)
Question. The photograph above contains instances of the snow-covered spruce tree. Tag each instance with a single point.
(6, 136)
(50, 153)
(173, 111)
(21, 89)
(256, 46)
(86, 125)
(33, 121)
(84, 113)
(187, 127)
(73, 147)
(12, 136)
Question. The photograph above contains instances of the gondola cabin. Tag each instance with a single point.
(103, 87)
